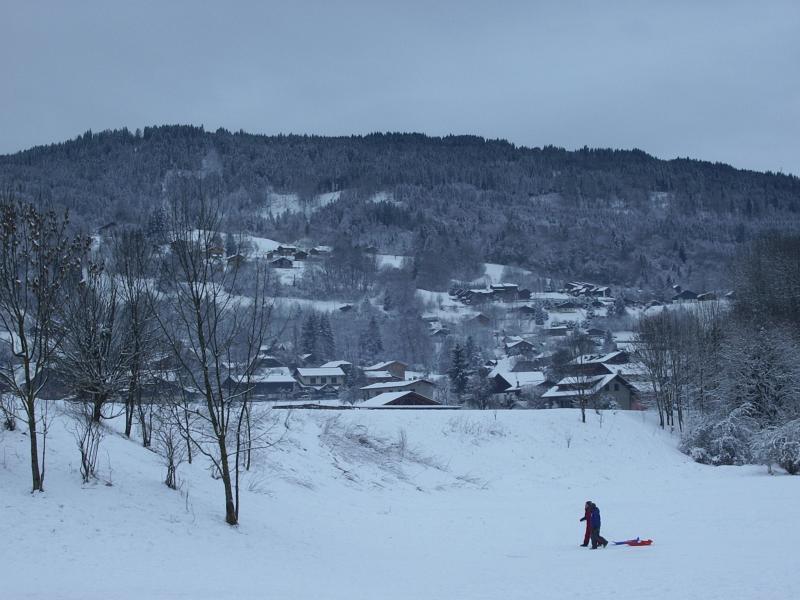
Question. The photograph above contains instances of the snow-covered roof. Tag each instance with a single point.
(335, 363)
(377, 374)
(395, 384)
(522, 378)
(381, 366)
(517, 343)
(320, 372)
(386, 397)
(587, 385)
(586, 359)
(272, 378)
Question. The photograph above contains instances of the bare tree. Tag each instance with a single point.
(132, 255)
(37, 255)
(95, 351)
(214, 334)
(88, 433)
(169, 442)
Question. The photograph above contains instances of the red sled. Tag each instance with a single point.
(636, 542)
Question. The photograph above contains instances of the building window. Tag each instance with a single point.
(616, 387)
(313, 379)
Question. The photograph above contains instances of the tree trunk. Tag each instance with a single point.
(38, 481)
(231, 514)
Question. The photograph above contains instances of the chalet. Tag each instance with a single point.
(269, 385)
(379, 376)
(479, 320)
(215, 251)
(300, 255)
(526, 310)
(520, 347)
(596, 332)
(420, 386)
(440, 332)
(267, 361)
(346, 308)
(556, 331)
(707, 296)
(236, 260)
(320, 251)
(285, 250)
(341, 364)
(317, 376)
(602, 391)
(516, 382)
(307, 359)
(164, 386)
(395, 367)
(281, 263)
(684, 296)
(407, 399)
(504, 292)
(477, 297)
(524, 294)
(567, 306)
(596, 364)
(581, 288)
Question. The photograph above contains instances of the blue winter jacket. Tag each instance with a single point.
(595, 518)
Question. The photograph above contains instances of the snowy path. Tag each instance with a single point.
(479, 506)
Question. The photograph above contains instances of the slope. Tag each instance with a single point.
(399, 504)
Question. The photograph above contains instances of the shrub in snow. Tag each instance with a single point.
(781, 446)
(88, 434)
(724, 442)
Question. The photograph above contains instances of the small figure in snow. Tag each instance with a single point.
(597, 539)
(587, 516)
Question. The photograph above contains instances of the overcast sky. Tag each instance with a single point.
(717, 80)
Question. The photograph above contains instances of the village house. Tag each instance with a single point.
(281, 263)
(520, 347)
(342, 364)
(581, 288)
(504, 292)
(317, 376)
(236, 260)
(396, 368)
(300, 255)
(602, 391)
(408, 398)
(423, 387)
(479, 320)
(285, 250)
(270, 384)
(595, 364)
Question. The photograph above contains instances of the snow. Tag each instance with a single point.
(465, 504)
(263, 245)
(278, 204)
(493, 273)
(394, 261)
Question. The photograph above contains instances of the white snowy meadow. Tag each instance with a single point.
(403, 504)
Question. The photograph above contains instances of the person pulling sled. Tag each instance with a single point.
(597, 539)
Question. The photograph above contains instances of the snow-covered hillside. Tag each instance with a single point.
(404, 504)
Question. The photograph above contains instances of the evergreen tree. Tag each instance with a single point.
(326, 346)
(370, 342)
(459, 371)
(308, 336)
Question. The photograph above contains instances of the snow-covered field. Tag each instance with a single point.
(405, 504)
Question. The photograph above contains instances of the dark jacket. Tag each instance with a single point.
(595, 518)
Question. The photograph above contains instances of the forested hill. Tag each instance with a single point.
(620, 217)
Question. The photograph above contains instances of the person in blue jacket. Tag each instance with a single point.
(597, 539)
